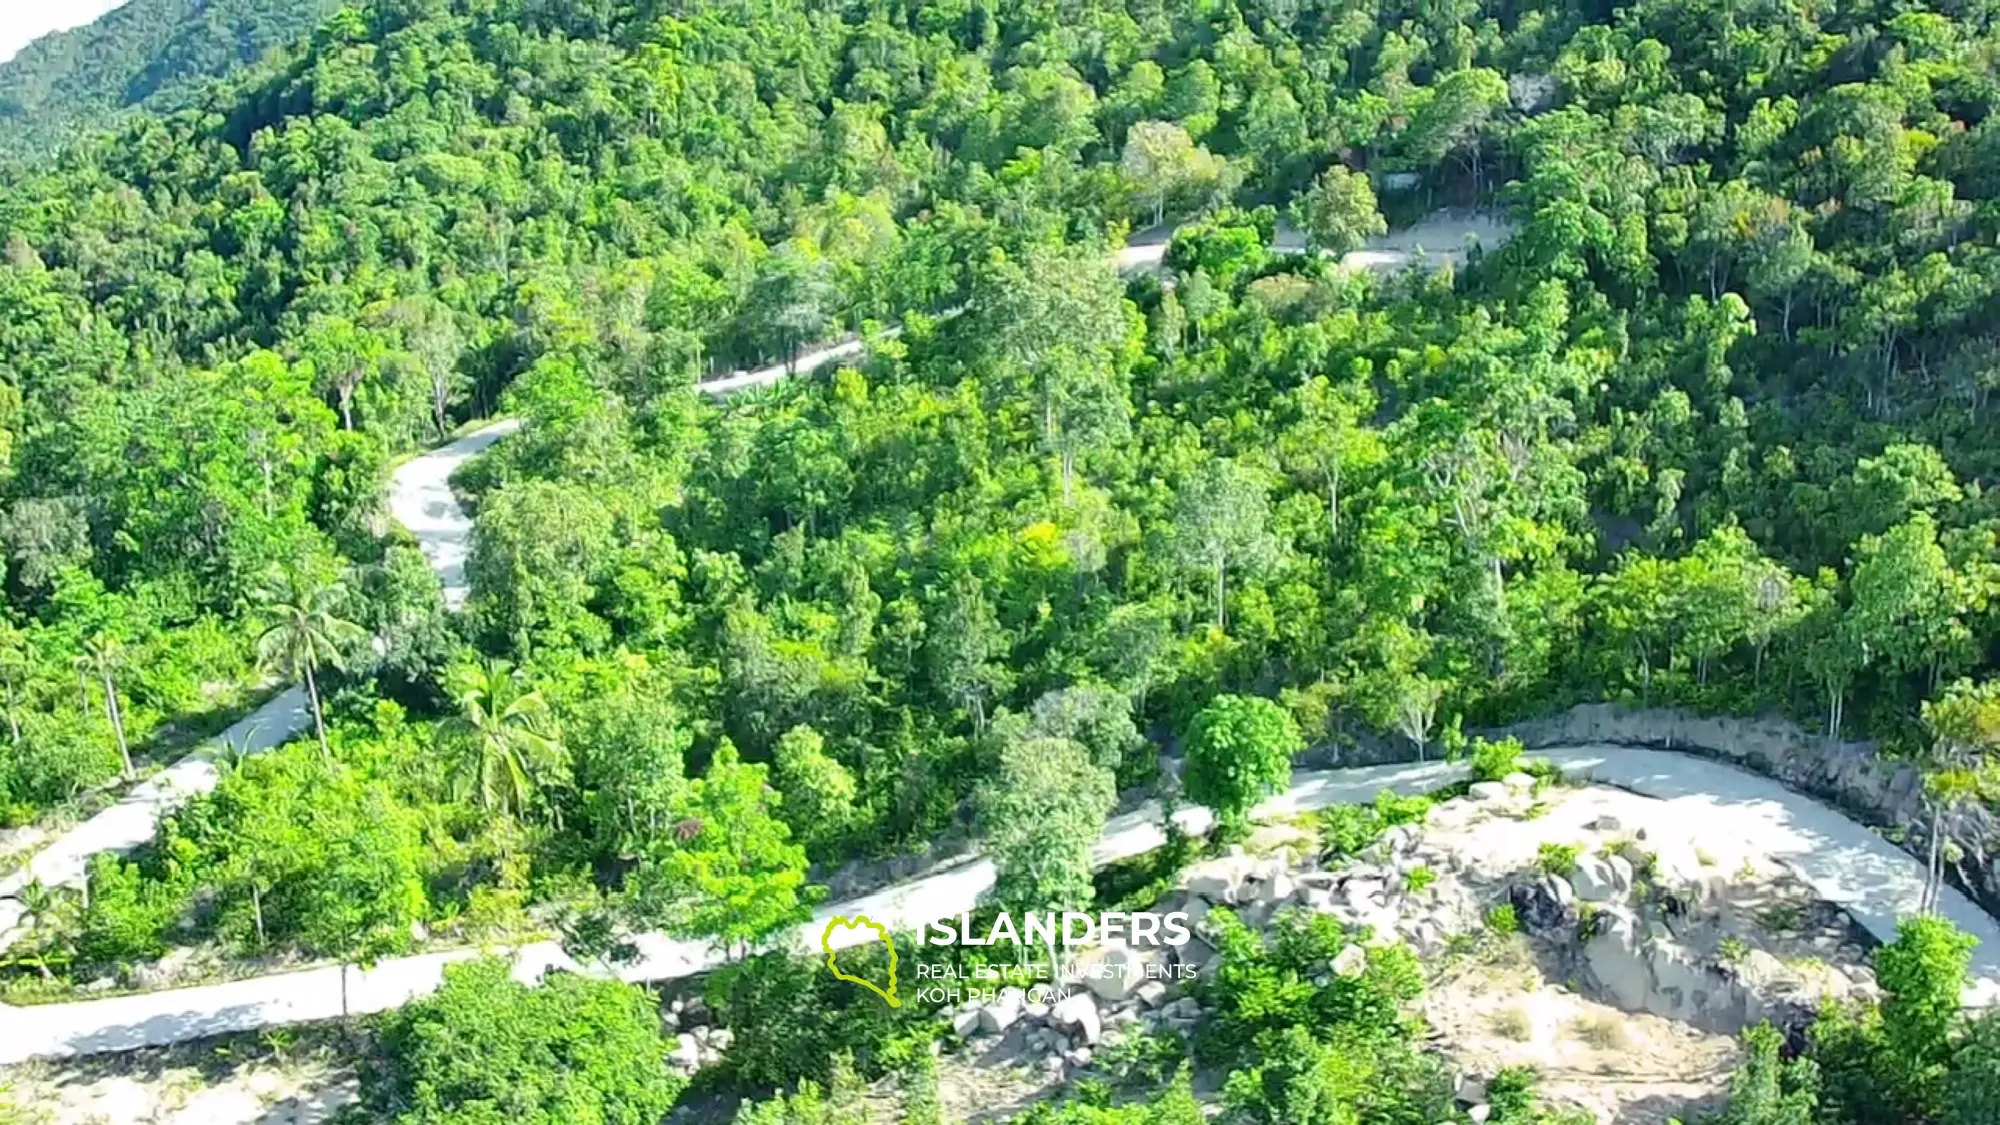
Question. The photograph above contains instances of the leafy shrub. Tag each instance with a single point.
(1557, 859)
(1176, 1105)
(487, 1048)
(1347, 1075)
(1502, 919)
(1492, 761)
(1345, 830)
(1419, 878)
(1266, 985)
(791, 1019)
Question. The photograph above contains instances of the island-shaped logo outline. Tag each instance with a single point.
(826, 943)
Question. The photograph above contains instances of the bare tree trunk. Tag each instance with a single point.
(319, 724)
(117, 722)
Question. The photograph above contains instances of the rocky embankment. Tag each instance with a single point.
(1591, 933)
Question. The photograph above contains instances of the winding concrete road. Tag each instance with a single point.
(1845, 863)
(420, 498)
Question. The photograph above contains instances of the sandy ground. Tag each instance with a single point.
(1514, 1002)
(304, 1093)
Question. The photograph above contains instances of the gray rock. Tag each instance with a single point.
(1003, 1012)
(686, 1053)
(964, 1024)
(1151, 993)
(1351, 962)
(1606, 824)
(1079, 1013)
(1488, 791)
(1116, 970)
(1546, 905)
(1593, 880)
(1219, 880)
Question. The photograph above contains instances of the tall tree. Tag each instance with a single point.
(103, 654)
(1221, 521)
(727, 870)
(1338, 213)
(304, 632)
(1041, 812)
(505, 737)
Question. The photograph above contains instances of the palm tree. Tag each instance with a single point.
(102, 653)
(40, 906)
(305, 634)
(506, 735)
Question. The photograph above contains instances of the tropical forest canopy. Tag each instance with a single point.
(154, 53)
(1710, 429)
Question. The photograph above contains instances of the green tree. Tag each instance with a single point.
(727, 870)
(487, 1048)
(1922, 974)
(103, 654)
(1239, 751)
(1221, 521)
(305, 632)
(1338, 212)
(504, 736)
(818, 791)
(1164, 162)
(1041, 811)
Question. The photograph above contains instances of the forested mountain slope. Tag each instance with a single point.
(155, 53)
(1711, 428)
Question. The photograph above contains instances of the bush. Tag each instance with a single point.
(1492, 761)
(1345, 830)
(1557, 859)
(1266, 985)
(1502, 919)
(486, 1048)
(792, 1019)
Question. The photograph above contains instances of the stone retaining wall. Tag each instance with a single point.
(1883, 794)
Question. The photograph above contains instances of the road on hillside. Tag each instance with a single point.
(1876, 882)
(420, 498)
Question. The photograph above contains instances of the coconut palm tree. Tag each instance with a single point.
(102, 654)
(41, 906)
(304, 633)
(505, 736)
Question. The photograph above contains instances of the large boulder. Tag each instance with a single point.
(1077, 1013)
(1115, 970)
(1601, 878)
(1545, 905)
(1003, 1012)
(1614, 958)
(1219, 880)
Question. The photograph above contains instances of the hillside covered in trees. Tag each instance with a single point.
(153, 53)
(1712, 428)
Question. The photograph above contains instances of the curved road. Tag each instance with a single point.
(1844, 862)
